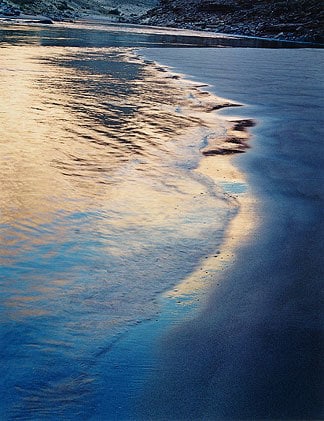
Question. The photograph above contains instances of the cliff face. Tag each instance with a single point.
(289, 19)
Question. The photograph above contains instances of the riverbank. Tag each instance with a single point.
(296, 20)
(108, 211)
(254, 351)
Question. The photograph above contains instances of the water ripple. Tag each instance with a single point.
(100, 212)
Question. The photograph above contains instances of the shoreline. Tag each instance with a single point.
(251, 349)
(190, 232)
(195, 31)
(217, 163)
(25, 19)
(242, 352)
(294, 20)
(185, 300)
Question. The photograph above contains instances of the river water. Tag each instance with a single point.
(101, 209)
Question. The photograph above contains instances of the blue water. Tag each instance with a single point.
(101, 212)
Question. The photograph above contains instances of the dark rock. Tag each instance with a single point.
(46, 21)
(115, 12)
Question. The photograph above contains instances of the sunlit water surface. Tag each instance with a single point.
(101, 211)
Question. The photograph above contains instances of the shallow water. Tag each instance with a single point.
(101, 211)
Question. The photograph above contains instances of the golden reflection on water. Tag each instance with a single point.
(240, 229)
(61, 141)
(95, 146)
(105, 204)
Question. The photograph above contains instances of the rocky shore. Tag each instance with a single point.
(297, 20)
(300, 20)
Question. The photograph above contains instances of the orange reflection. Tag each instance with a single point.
(78, 138)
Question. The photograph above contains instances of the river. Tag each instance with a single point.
(102, 211)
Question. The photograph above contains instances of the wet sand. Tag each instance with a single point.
(254, 350)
